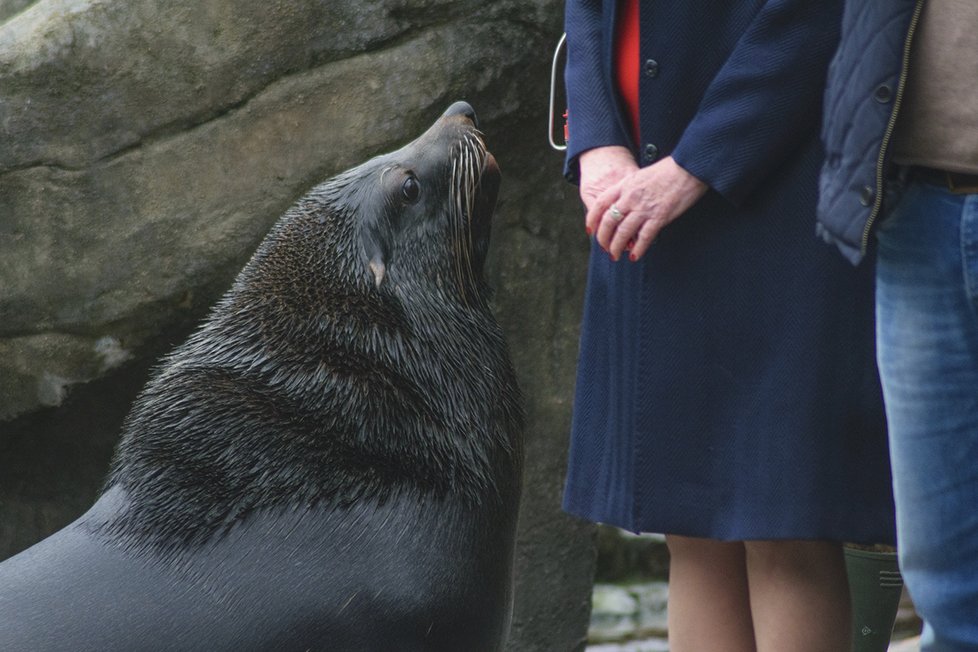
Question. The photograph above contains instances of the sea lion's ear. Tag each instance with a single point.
(374, 250)
(375, 235)
(378, 268)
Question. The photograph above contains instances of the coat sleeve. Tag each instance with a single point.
(593, 112)
(766, 100)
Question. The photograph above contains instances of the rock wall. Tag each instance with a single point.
(9, 8)
(149, 145)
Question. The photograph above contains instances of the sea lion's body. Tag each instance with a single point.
(332, 462)
(395, 577)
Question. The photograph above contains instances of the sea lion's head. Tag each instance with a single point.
(420, 215)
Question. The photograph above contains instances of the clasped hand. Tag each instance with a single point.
(646, 199)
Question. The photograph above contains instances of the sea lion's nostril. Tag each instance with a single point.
(463, 108)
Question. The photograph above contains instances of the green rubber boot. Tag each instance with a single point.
(875, 585)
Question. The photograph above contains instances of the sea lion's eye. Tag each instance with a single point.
(411, 189)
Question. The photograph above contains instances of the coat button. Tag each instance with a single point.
(651, 152)
(651, 68)
(867, 195)
(883, 93)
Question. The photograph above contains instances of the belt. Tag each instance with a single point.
(956, 182)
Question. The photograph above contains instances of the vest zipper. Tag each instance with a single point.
(897, 100)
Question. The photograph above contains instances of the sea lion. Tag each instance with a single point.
(332, 461)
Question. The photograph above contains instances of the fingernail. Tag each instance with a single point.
(631, 244)
(632, 257)
(587, 230)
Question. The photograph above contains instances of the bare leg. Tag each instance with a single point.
(709, 605)
(799, 596)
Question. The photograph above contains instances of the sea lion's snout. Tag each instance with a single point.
(463, 109)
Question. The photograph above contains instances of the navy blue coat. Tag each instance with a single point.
(722, 391)
(861, 102)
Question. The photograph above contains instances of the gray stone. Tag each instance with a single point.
(613, 602)
(10, 8)
(650, 645)
(627, 557)
(628, 612)
(653, 599)
(130, 195)
(148, 146)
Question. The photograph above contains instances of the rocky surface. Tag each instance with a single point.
(149, 145)
(632, 611)
(9, 8)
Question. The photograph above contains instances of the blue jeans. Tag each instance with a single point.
(927, 329)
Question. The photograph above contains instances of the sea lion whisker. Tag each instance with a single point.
(461, 260)
(455, 202)
(468, 158)
(474, 179)
(463, 221)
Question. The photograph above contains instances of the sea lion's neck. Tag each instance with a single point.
(353, 405)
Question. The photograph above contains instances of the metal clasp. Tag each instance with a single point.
(553, 98)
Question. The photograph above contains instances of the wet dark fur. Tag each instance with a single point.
(310, 385)
(332, 462)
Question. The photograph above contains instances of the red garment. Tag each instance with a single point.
(626, 60)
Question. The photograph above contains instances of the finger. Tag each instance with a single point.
(598, 209)
(625, 233)
(607, 228)
(646, 236)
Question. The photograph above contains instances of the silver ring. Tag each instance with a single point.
(614, 213)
